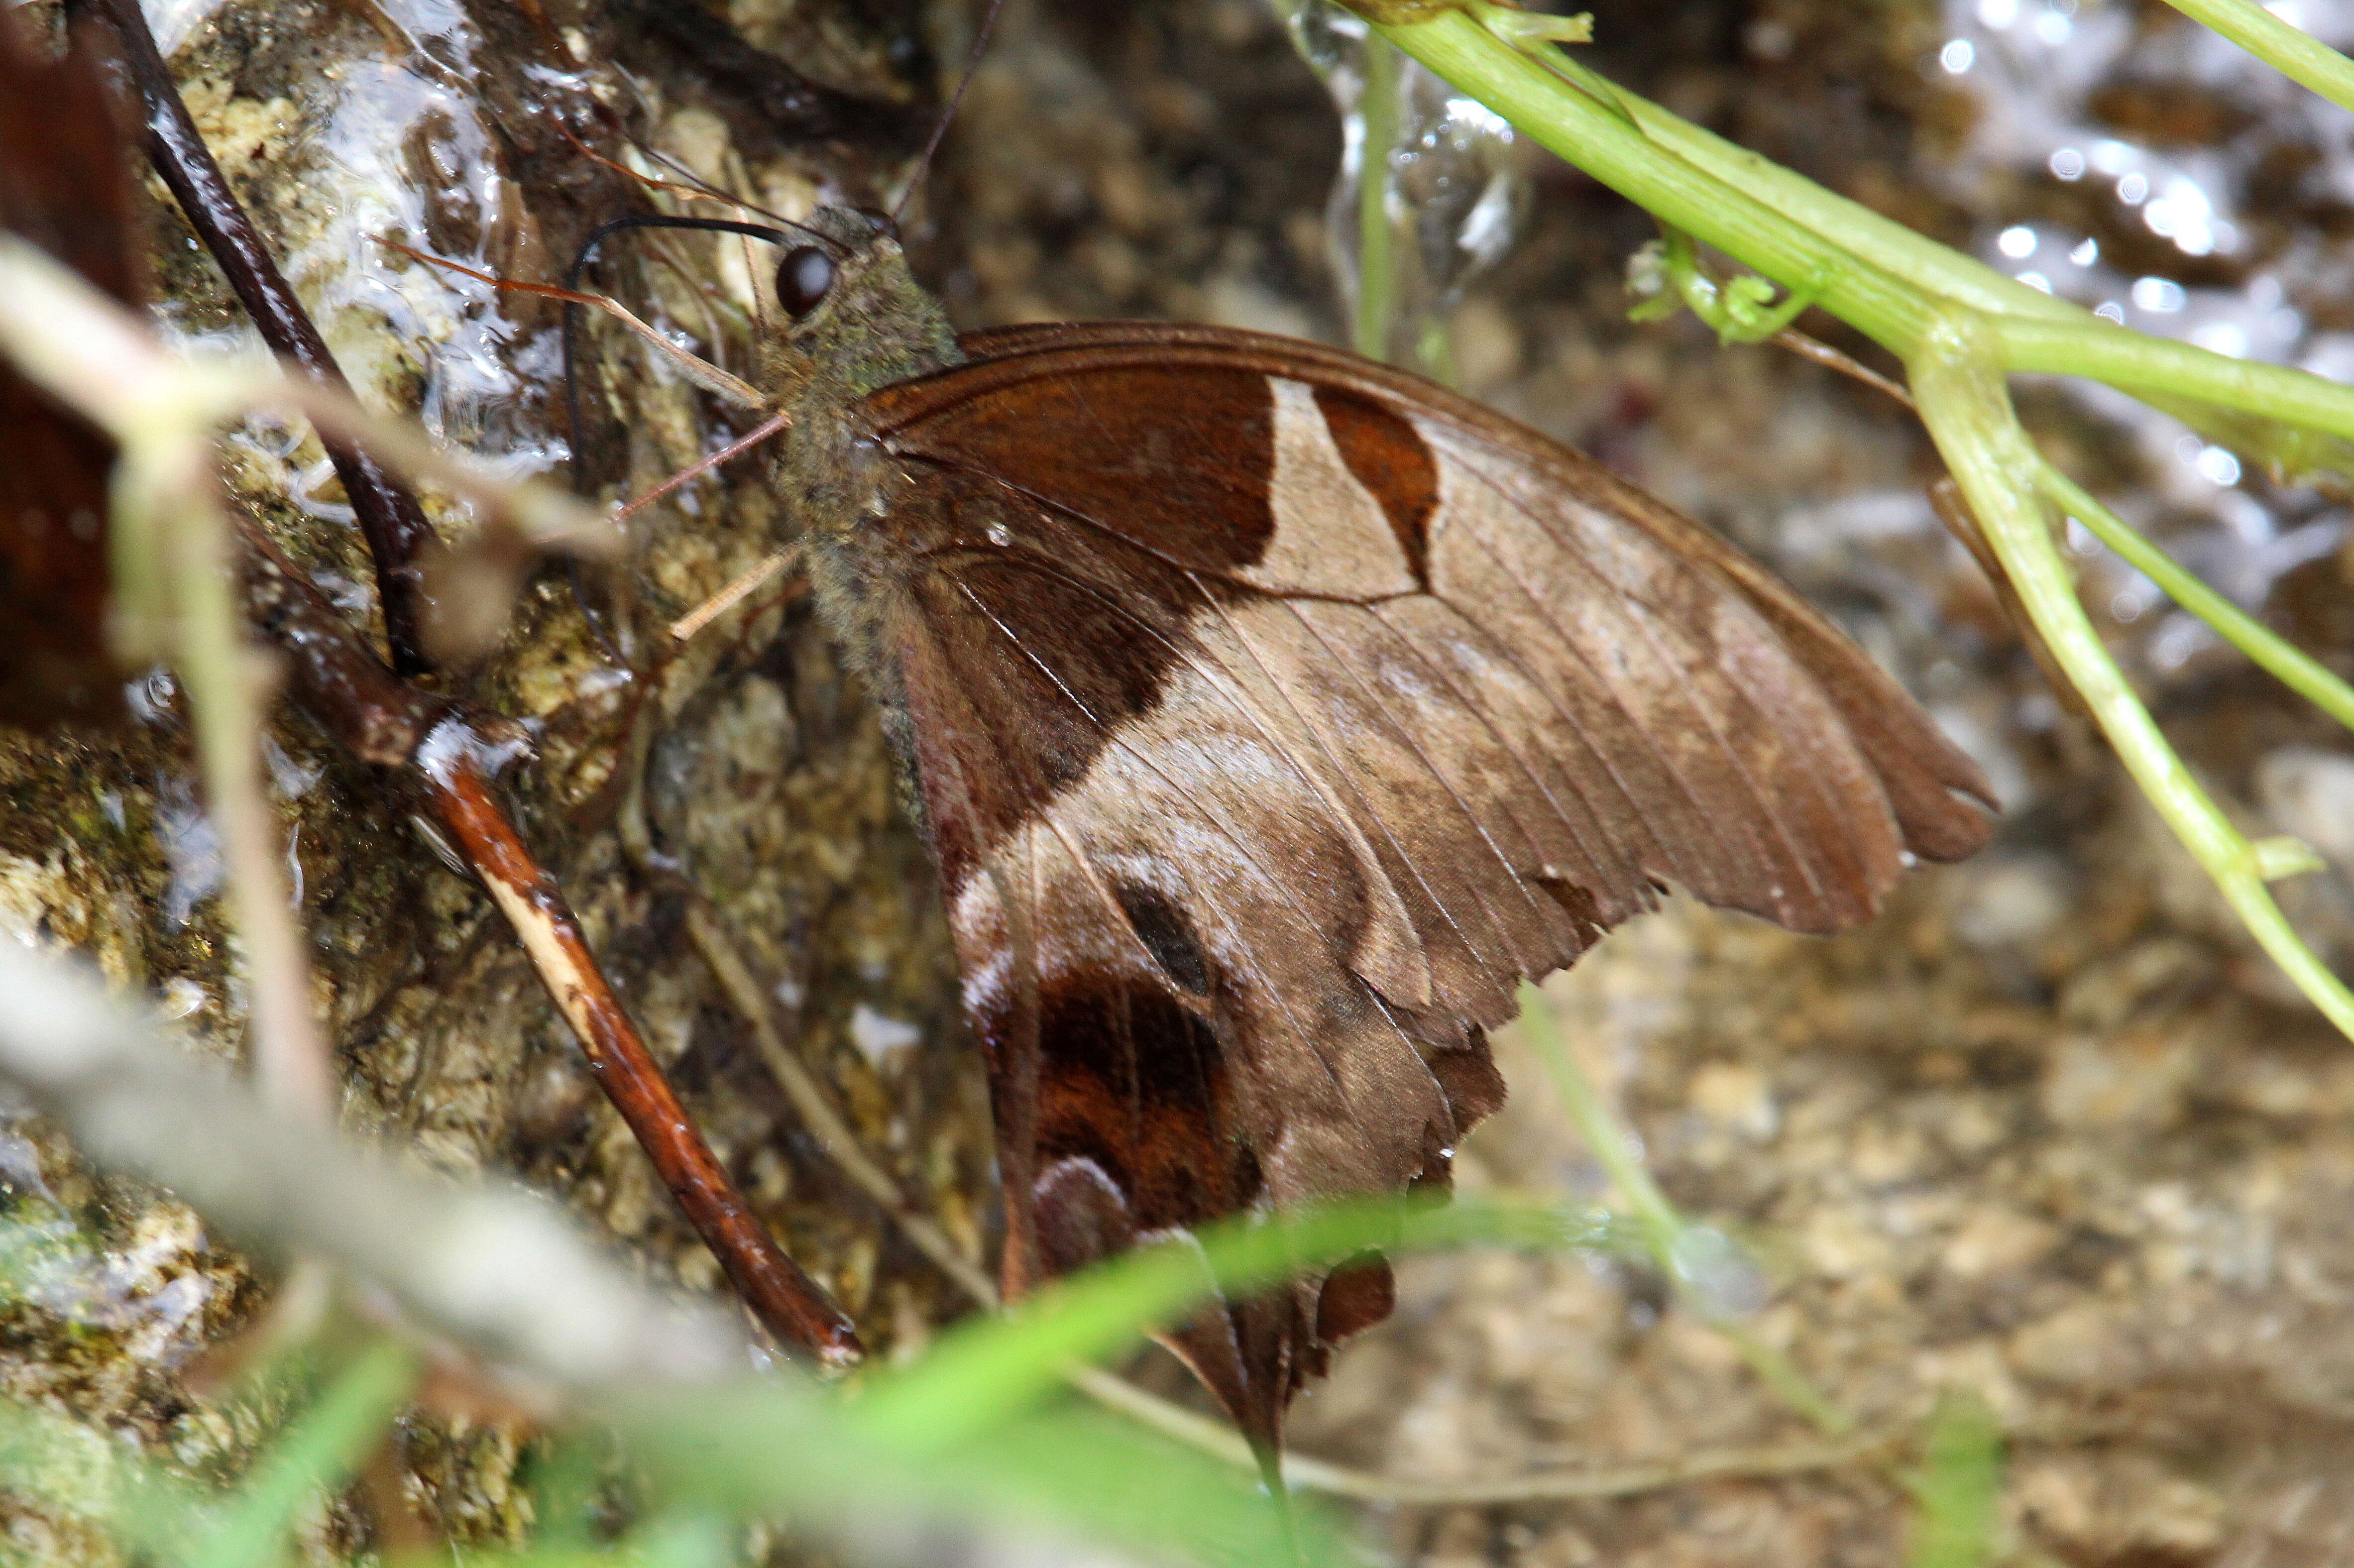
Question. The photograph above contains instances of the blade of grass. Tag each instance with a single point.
(319, 1450)
(758, 1450)
(980, 1373)
(1958, 1490)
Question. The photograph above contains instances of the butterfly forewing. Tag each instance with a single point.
(1273, 715)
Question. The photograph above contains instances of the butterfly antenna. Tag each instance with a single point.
(697, 191)
(947, 115)
(572, 419)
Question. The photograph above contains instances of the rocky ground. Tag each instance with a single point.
(2050, 1131)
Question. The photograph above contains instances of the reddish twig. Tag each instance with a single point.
(453, 754)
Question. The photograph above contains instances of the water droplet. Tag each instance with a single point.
(2228, 338)
(1957, 56)
(2114, 157)
(2217, 465)
(1721, 1278)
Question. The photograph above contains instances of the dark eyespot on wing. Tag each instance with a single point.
(1131, 1085)
(1165, 932)
(1390, 459)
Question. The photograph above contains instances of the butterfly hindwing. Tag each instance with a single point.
(1273, 715)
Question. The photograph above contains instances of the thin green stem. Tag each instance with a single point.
(1613, 1146)
(1968, 409)
(1668, 1233)
(1873, 272)
(2294, 669)
(325, 1444)
(2294, 53)
(1870, 271)
(2144, 365)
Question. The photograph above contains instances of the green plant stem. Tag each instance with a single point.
(1874, 273)
(1967, 411)
(1376, 240)
(2295, 54)
(1664, 1226)
(2133, 361)
(1964, 323)
(323, 1447)
(2293, 668)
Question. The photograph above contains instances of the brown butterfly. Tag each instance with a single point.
(1271, 715)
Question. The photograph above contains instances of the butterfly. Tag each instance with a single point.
(1271, 715)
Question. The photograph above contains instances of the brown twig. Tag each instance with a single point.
(389, 514)
(453, 765)
(449, 750)
(453, 754)
(1830, 358)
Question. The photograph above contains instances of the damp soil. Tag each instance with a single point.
(2049, 1131)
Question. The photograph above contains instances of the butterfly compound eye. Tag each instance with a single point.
(802, 279)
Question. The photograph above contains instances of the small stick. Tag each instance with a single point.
(1830, 358)
(453, 763)
(394, 524)
(451, 751)
(776, 563)
(1953, 509)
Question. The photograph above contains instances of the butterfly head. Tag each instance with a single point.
(850, 316)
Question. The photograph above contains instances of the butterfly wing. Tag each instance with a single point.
(1272, 715)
